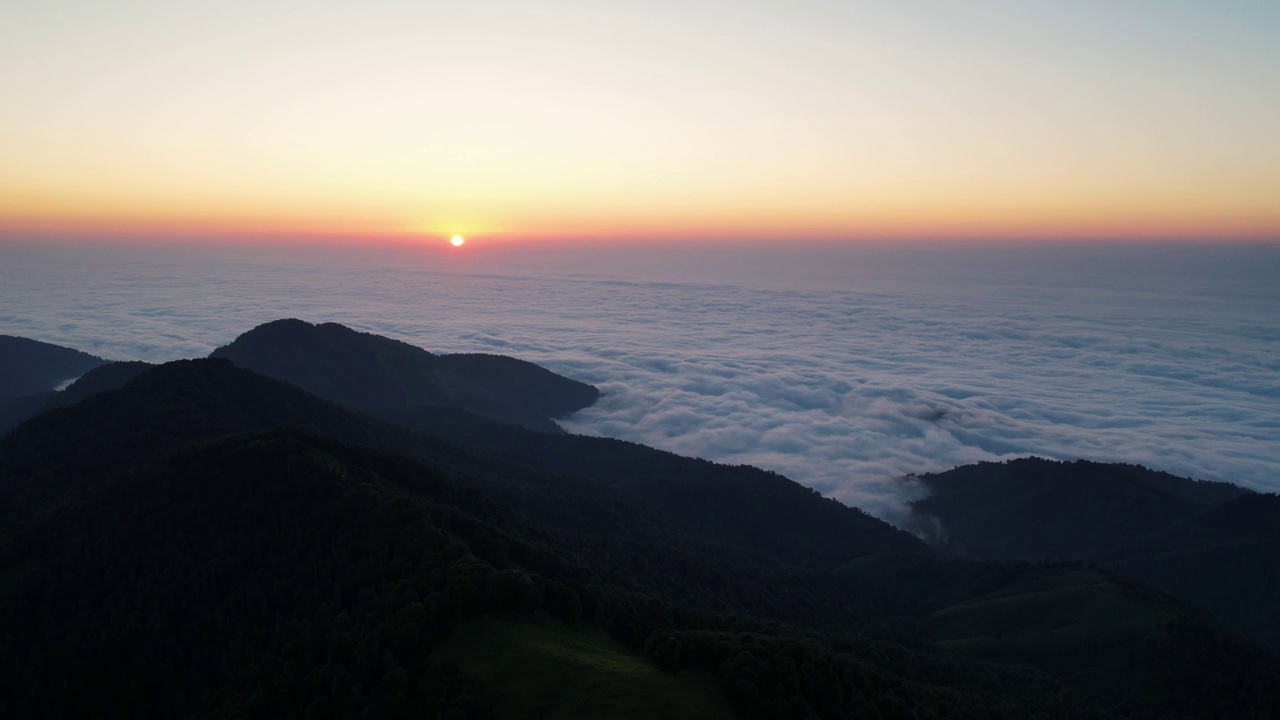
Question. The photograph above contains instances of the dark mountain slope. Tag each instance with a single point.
(157, 412)
(100, 379)
(1214, 545)
(255, 575)
(14, 410)
(123, 555)
(29, 366)
(190, 400)
(395, 381)
(1224, 559)
(243, 577)
(274, 577)
(373, 374)
(1034, 509)
(744, 505)
(1113, 639)
(765, 537)
(575, 482)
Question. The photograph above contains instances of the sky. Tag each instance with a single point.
(687, 120)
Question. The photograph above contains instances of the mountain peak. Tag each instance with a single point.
(377, 374)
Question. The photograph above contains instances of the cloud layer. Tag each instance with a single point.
(836, 386)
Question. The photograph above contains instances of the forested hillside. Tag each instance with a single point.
(196, 539)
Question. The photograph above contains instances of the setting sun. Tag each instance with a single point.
(457, 240)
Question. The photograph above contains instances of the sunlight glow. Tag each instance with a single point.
(457, 240)
(758, 120)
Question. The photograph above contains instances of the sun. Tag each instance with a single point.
(457, 240)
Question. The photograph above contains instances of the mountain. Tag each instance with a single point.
(100, 379)
(284, 575)
(1212, 544)
(168, 550)
(185, 401)
(1034, 509)
(124, 456)
(1224, 559)
(29, 372)
(742, 505)
(28, 367)
(157, 412)
(376, 374)
(407, 385)
(14, 410)
(573, 481)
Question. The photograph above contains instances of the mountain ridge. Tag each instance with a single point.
(29, 366)
(375, 374)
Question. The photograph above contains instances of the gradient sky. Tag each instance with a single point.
(692, 119)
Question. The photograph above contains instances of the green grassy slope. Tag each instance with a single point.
(1076, 624)
(547, 669)
(1210, 544)
(1108, 639)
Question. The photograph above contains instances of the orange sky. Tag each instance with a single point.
(662, 120)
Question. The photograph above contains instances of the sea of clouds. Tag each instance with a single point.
(842, 368)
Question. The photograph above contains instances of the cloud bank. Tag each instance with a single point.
(840, 388)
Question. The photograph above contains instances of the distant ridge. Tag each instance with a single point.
(29, 366)
(377, 374)
(108, 376)
(1034, 509)
(100, 379)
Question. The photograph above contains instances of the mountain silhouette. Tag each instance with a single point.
(29, 366)
(376, 374)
